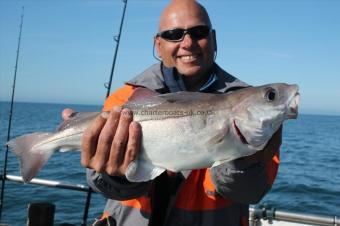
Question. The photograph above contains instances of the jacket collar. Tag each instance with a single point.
(174, 81)
(164, 81)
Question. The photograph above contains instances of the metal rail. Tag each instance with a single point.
(57, 184)
(50, 183)
(269, 213)
(256, 213)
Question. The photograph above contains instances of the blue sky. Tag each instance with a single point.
(67, 46)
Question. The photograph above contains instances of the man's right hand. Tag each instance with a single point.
(111, 142)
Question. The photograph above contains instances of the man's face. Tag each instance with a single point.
(191, 57)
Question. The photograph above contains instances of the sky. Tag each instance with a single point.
(67, 47)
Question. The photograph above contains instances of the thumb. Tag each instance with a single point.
(67, 113)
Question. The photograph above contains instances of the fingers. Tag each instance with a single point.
(133, 145)
(269, 151)
(105, 141)
(118, 145)
(109, 145)
(273, 145)
(90, 140)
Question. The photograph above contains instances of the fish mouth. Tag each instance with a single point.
(239, 134)
(293, 106)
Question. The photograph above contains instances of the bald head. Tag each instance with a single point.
(193, 53)
(176, 10)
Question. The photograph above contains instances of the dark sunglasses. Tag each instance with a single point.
(177, 34)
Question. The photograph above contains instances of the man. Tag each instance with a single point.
(186, 45)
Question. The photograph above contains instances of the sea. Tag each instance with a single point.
(308, 180)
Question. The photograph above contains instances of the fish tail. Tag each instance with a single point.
(32, 152)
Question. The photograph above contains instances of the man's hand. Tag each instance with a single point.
(67, 113)
(269, 151)
(111, 142)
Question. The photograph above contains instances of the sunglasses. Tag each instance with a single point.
(177, 34)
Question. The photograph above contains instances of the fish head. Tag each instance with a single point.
(262, 110)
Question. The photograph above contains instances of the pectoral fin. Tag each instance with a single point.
(140, 171)
(220, 162)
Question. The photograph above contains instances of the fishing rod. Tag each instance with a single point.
(108, 87)
(3, 177)
(117, 39)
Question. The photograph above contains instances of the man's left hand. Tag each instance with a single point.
(269, 151)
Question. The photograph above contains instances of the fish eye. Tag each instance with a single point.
(270, 95)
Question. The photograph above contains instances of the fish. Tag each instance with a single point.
(181, 131)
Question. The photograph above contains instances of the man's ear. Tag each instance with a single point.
(214, 38)
(157, 45)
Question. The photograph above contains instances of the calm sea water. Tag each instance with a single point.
(308, 180)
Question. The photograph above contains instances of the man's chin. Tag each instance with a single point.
(190, 71)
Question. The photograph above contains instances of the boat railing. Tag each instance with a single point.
(261, 213)
(50, 183)
(257, 214)
(57, 184)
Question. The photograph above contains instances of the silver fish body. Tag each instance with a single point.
(181, 131)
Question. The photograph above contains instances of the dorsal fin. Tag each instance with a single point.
(142, 94)
(146, 98)
(76, 119)
(143, 97)
(186, 97)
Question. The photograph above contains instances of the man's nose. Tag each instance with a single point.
(187, 41)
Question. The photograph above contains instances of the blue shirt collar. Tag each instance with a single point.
(174, 81)
(209, 83)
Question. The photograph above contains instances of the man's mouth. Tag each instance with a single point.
(188, 58)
